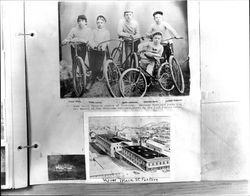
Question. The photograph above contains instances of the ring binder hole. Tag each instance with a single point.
(32, 146)
(19, 147)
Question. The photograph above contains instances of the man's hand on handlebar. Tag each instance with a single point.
(178, 37)
(74, 41)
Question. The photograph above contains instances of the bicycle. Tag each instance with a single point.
(133, 81)
(115, 65)
(80, 69)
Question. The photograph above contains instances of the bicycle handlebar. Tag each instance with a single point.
(74, 42)
(129, 38)
(172, 38)
(108, 41)
(119, 40)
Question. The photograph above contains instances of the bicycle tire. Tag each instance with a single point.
(133, 60)
(116, 56)
(165, 77)
(133, 83)
(177, 75)
(112, 74)
(79, 76)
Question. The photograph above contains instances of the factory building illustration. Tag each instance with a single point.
(121, 149)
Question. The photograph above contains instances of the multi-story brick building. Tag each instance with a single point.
(144, 158)
(110, 143)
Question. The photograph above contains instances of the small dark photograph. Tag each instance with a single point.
(3, 168)
(66, 167)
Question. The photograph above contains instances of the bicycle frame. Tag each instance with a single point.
(121, 47)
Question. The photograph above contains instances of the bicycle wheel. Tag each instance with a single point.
(116, 56)
(79, 76)
(133, 61)
(133, 83)
(112, 75)
(165, 78)
(176, 73)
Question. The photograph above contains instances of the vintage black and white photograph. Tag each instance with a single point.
(127, 147)
(66, 167)
(3, 166)
(123, 49)
(2, 121)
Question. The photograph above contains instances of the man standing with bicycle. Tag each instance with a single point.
(80, 33)
(167, 31)
(128, 29)
(98, 49)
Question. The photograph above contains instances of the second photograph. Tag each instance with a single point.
(129, 147)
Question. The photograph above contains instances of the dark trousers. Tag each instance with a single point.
(96, 59)
(65, 87)
(167, 51)
(81, 51)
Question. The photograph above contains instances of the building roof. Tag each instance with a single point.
(112, 138)
(156, 144)
(144, 152)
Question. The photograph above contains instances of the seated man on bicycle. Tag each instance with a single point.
(80, 33)
(149, 50)
(128, 28)
(97, 53)
(166, 29)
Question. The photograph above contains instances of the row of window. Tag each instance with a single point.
(133, 158)
(158, 163)
(139, 161)
(117, 147)
(102, 143)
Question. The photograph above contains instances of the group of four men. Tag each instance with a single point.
(128, 28)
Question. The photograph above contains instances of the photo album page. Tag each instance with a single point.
(113, 91)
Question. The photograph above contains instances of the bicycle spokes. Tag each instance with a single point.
(133, 83)
(165, 77)
(112, 75)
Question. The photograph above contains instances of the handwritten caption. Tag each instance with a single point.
(130, 180)
(79, 105)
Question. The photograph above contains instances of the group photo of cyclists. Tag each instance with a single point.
(123, 49)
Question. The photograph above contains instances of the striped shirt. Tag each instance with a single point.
(127, 29)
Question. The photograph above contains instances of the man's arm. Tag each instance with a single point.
(137, 31)
(69, 37)
(142, 47)
(172, 30)
(161, 50)
(92, 43)
(106, 38)
(88, 38)
(120, 30)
